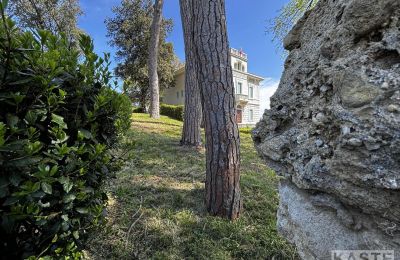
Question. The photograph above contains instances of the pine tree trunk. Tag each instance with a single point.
(153, 60)
(214, 73)
(191, 134)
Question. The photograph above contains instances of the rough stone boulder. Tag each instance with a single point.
(333, 130)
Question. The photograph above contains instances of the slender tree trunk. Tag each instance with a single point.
(191, 134)
(142, 104)
(153, 59)
(214, 73)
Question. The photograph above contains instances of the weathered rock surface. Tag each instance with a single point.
(333, 130)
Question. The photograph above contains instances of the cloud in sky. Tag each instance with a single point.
(268, 88)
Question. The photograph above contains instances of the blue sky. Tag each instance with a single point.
(247, 22)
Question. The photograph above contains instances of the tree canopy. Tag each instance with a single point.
(129, 32)
(57, 16)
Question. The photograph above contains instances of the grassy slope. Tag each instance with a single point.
(159, 194)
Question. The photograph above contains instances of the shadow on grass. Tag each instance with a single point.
(156, 206)
(160, 181)
(156, 122)
(155, 222)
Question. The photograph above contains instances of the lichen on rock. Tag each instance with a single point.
(333, 130)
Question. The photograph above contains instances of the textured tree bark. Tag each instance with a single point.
(191, 134)
(214, 72)
(153, 59)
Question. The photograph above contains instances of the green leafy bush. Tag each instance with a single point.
(59, 120)
(175, 112)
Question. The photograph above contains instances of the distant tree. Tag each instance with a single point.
(153, 59)
(138, 95)
(129, 31)
(136, 79)
(288, 16)
(57, 16)
(191, 134)
(214, 72)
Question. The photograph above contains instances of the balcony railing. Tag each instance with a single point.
(239, 53)
(241, 98)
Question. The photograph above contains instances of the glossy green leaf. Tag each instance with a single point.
(31, 117)
(21, 81)
(10, 201)
(75, 234)
(86, 134)
(24, 162)
(59, 120)
(47, 188)
(82, 210)
(67, 184)
(55, 238)
(53, 170)
(69, 197)
(13, 146)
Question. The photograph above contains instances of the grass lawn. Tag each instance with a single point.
(156, 206)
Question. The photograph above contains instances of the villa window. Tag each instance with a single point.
(177, 94)
(238, 66)
(251, 115)
(181, 93)
(243, 68)
(239, 88)
(251, 92)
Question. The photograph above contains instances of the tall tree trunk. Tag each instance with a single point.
(214, 71)
(153, 59)
(191, 134)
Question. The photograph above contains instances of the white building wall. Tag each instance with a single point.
(245, 115)
(235, 60)
(176, 95)
(256, 92)
(256, 112)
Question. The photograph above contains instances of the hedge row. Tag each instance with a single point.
(138, 110)
(59, 120)
(175, 112)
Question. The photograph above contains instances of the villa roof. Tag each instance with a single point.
(251, 75)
